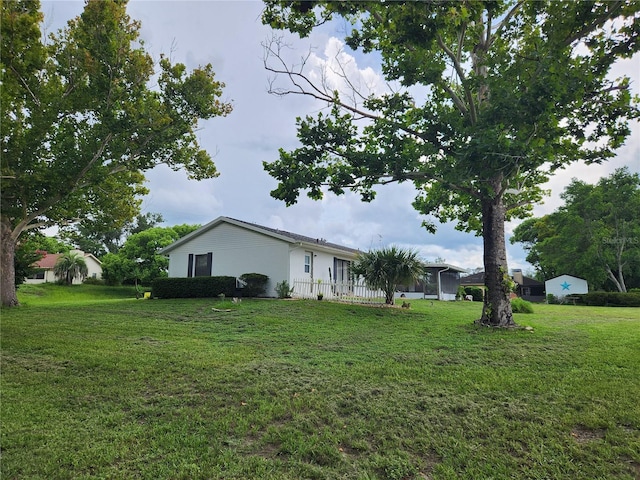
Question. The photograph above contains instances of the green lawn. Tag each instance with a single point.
(282, 389)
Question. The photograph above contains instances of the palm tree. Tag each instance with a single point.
(387, 268)
(69, 266)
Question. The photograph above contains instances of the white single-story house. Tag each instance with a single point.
(566, 285)
(48, 261)
(230, 247)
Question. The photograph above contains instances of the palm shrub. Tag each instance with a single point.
(69, 266)
(387, 268)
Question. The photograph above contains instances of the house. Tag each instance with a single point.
(526, 288)
(231, 247)
(473, 280)
(566, 285)
(48, 261)
(441, 282)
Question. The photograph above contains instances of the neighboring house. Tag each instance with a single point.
(526, 287)
(230, 247)
(48, 261)
(473, 280)
(441, 283)
(566, 285)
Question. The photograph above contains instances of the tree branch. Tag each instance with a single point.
(26, 85)
(596, 23)
(457, 65)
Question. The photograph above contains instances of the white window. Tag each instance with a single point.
(307, 262)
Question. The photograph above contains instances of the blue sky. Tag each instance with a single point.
(228, 34)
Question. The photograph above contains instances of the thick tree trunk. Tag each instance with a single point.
(7, 266)
(496, 311)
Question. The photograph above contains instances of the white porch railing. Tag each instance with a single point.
(341, 291)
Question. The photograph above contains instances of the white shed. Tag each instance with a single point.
(230, 247)
(565, 285)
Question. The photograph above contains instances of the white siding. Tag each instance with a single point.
(565, 285)
(235, 251)
(322, 262)
(94, 267)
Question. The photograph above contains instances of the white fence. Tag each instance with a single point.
(341, 291)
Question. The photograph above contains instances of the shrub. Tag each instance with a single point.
(255, 284)
(552, 299)
(610, 299)
(519, 305)
(283, 290)
(475, 292)
(196, 287)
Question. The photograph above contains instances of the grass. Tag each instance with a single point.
(282, 389)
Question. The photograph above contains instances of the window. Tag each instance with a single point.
(307, 262)
(200, 265)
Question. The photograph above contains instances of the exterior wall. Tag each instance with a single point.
(321, 263)
(49, 277)
(94, 267)
(566, 285)
(235, 251)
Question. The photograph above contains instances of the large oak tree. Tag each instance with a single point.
(493, 97)
(80, 121)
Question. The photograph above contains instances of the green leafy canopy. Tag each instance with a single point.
(81, 122)
(515, 91)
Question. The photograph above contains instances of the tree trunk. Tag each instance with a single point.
(496, 311)
(7, 266)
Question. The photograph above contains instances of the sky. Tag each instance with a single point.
(230, 35)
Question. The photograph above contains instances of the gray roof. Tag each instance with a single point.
(445, 267)
(272, 232)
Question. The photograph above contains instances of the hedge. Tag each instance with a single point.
(196, 287)
(476, 292)
(609, 299)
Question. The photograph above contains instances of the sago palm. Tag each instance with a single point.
(387, 268)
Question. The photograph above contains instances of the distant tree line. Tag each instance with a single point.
(595, 235)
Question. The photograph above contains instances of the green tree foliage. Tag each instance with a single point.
(530, 232)
(138, 259)
(70, 266)
(24, 264)
(80, 122)
(388, 267)
(595, 235)
(95, 239)
(489, 99)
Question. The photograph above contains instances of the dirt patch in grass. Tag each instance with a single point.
(582, 434)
